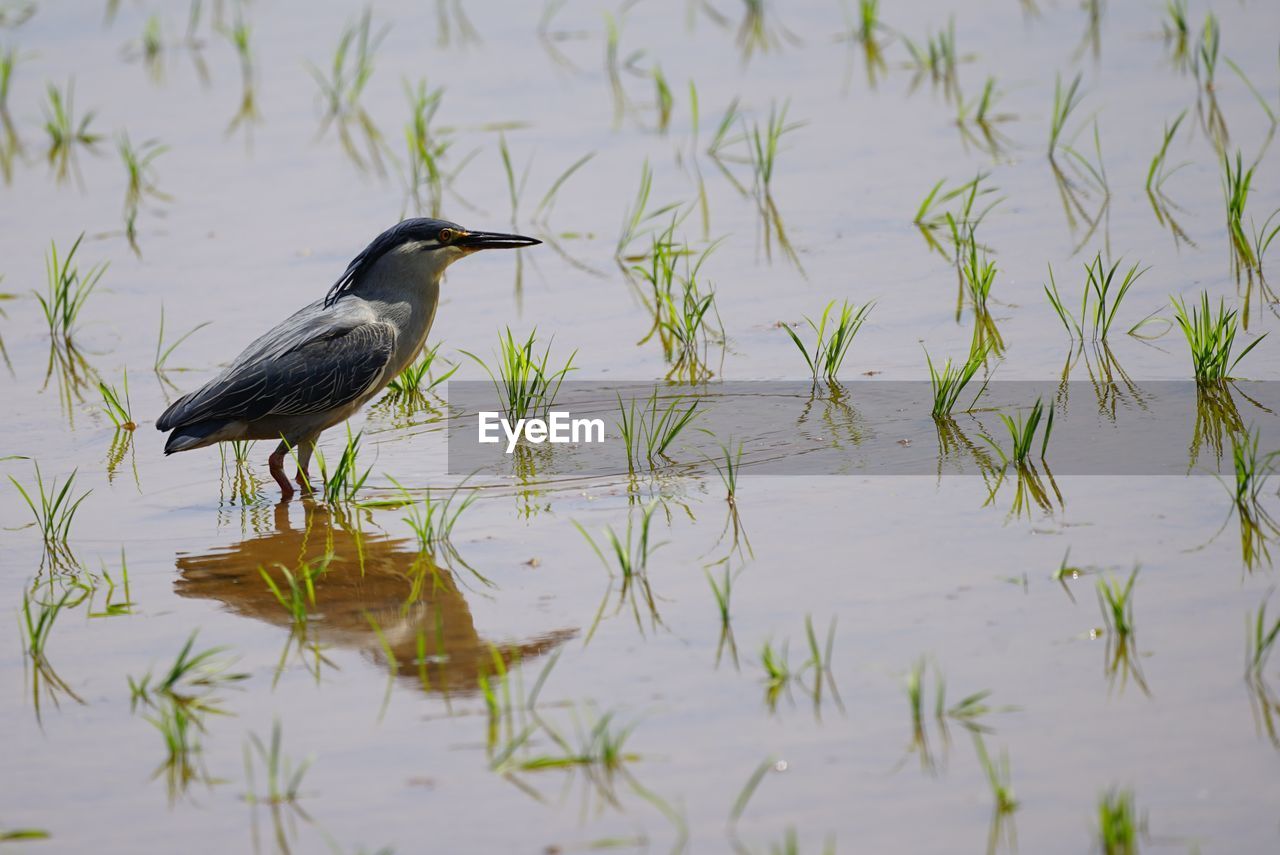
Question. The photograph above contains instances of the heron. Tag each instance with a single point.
(316, 368)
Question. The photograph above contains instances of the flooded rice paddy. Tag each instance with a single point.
(873, 631)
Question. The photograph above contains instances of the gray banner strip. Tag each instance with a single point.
(870, 428)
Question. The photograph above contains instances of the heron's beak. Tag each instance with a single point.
(493, 240)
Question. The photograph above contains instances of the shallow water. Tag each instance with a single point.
(263, 216)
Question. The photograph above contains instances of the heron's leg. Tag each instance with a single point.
(276, 462)
(305, 448)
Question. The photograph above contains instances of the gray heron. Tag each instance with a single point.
(316, 368)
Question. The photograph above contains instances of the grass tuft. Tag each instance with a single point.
(54, 509)
(67, 290)
(1117, 824)
(937, 58)
(638, 220)
(346, 480)
(65, 132)
(190, 681)
(433, 520)
(409, 382)
(1247, 251)
(284, 779)
(526, 382)
(831, 346)
(1157, 174)
(1065, 101)
(648, 429)
(777, 671)
(120, 413)
(1099, 303)
(1022, 434)
(685, 318)
(1259, 641)
(1211, 338)
(950, 381)
(631, 553)
(141, 184)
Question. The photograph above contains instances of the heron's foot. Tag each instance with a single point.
(276, 464)
(304, 481)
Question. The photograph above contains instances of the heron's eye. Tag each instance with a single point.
(445, 236)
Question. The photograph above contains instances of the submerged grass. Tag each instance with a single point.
(1260, 640)
(722, 591)
(1206, 59)
(937, 58)
(66, 133)
(830, 346)
(1158, 173)
(601, 751)
(1117, 605)
(36, 621)
(342, 88)
(630, 553)
(819, 664)
(344, 85)
(1115, 600)
(428, 147)
(191, 680)
(777, 671)
(1252, 469)
(1177, 29)
(240, 34)
(1252, 472)
(141, 183)
(1000, 781)
(8, 62)
(283, 777)
(178, 703)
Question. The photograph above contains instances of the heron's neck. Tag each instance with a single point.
(407, 278)
(404, 291)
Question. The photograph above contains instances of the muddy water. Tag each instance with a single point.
(263, 213)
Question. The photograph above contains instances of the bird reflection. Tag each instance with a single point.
(372, 584)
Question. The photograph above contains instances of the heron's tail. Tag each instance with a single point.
(196, 435)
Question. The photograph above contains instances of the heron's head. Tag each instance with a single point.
(424, 246)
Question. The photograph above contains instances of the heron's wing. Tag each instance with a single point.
(320, 373)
